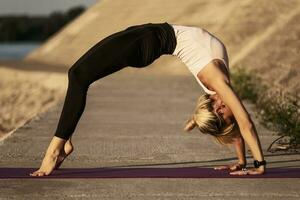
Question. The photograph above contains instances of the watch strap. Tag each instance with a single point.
(257, 163)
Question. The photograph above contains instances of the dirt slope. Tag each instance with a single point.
(260, 35)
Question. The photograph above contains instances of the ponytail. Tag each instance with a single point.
(190, 124)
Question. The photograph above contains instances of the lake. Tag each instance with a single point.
(9, 51)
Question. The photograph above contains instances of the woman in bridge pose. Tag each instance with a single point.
(219, 112)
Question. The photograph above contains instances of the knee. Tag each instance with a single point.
(74, 75)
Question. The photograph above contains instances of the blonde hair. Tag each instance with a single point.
(211, 123)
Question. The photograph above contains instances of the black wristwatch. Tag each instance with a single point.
(257, 163)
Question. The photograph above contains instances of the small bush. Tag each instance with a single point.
(277, 109)
(245, 84)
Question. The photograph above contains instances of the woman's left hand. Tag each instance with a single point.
(249, 171)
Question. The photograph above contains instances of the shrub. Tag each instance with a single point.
(277, 110)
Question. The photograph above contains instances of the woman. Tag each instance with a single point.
(138, 46)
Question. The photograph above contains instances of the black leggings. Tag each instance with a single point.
(137, 46)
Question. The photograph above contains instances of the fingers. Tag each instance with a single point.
(240, 172)
(230, 167)
(234, 168)
(246, 172)
(255, 172)
(223, 167)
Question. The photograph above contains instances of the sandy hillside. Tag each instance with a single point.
(259, 34)
(25, 94)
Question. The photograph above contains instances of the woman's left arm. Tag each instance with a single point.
(220, 84)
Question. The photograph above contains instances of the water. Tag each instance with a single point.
(9, 51)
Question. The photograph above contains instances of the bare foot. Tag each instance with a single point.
(53, 153)
(47, 166)
(68, 149)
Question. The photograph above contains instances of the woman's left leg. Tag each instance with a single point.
(106, 57)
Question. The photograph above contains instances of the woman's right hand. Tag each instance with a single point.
(231, 167)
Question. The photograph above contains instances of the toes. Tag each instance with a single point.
(34, 173)
(233, 169)
(41, 174)
(37, 173)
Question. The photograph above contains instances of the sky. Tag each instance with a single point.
(39, 7)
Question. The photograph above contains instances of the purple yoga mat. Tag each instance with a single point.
(119, 172)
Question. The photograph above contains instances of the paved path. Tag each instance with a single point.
(135, 118)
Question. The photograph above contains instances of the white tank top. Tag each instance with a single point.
(196, 47)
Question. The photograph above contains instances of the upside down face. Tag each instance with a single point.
(221, 109)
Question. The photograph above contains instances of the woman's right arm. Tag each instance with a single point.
(220, 84)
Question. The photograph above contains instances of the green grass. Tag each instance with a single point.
(277, 110)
